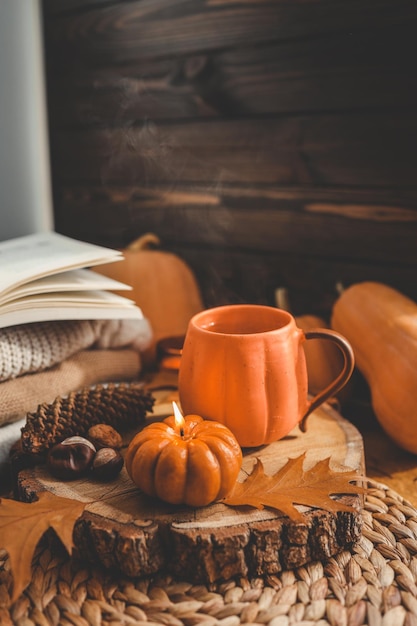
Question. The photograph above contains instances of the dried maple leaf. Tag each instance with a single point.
(23, 524)
(292, 485)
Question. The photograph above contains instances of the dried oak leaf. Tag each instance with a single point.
(22, 525)
(292, 485)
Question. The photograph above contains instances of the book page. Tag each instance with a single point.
(72, 280)
(27, 258)
(65, 298)
(68, 305)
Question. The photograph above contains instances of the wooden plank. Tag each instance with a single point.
(256, 220)
(227, 276)
(375, 149)
(351, 71)
(388, 204)
(121, 31)
(238, 276)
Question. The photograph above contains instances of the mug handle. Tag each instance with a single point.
(341, 380)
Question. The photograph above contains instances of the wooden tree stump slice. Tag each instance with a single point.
(123, 529)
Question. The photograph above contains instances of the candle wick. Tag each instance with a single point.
(182, 433)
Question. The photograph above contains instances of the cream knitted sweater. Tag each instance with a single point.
(30, 348)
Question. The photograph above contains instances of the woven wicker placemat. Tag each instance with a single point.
(375, 583)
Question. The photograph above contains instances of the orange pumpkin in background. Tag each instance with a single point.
(194, 464)
(163, 286)
(323, 358)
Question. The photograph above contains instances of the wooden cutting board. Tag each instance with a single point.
(125, 530)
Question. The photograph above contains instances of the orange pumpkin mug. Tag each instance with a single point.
(243, 365)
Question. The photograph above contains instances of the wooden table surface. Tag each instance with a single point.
(385, 461)
(390, 465)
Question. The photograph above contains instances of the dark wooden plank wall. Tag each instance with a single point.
(269, 143)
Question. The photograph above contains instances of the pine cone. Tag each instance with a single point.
(123, 406)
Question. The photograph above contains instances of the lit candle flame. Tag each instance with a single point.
(179, 419)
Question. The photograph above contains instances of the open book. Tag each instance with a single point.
(45, 277)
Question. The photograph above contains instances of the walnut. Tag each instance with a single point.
(105, 436)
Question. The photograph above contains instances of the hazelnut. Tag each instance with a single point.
(107, 464)
(105, 436)
(71, 458)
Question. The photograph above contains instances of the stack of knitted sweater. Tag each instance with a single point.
(41, 361)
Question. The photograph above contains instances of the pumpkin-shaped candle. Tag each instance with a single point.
(184, 460)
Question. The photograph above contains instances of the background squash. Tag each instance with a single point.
(381, 325)
(323, 358)
(194, 467)
(163, 285)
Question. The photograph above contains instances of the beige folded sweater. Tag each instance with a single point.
(22, 395)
